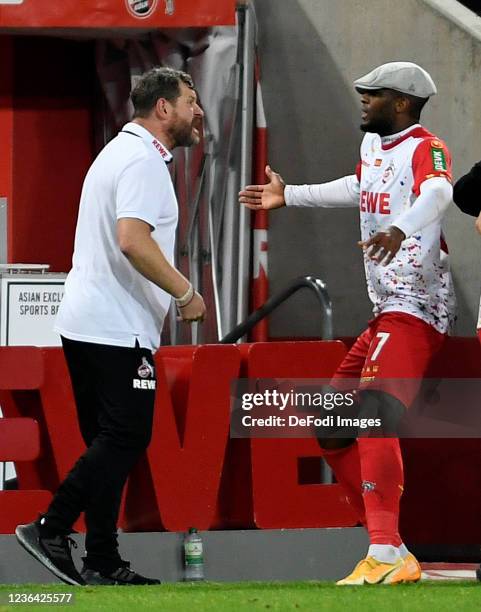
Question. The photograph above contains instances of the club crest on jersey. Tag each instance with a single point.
(145, 370)
(389, 172)
(377, 163)
(141, 8)
(439, 159)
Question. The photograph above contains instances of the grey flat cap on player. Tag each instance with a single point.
(405, 77)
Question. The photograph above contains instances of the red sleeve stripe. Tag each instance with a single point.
(358, 171)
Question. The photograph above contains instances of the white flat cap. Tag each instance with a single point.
(405, 77)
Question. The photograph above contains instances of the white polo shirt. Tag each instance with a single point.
(106, 300)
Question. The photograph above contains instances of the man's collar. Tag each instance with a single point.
(388, 140)
(138, 130)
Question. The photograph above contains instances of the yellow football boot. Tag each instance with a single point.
(409, 572)
(370, 571)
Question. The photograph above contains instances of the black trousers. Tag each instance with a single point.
(114, 389)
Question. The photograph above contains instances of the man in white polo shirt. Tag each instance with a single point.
(116, 297)
(402, 186)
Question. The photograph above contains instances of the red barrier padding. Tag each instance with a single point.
(49, 400)
(19, 439)
(58, 406)
(35, 474)
(261, 483)
(60, 414)
(20, 507)
(442, 499)
(21, 367)
(279, 500)
(459, 358)
(138, 14)
(186, 455)
(21, 376)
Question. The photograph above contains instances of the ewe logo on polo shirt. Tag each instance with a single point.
(141, 8)
(145, 370)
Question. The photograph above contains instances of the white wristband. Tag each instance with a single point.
(186, 298)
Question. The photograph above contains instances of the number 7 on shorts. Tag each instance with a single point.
(383, 338)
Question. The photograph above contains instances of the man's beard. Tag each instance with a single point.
(383, 127)
(183, 135)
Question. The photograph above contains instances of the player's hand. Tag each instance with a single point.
(194, 310)
(383, 246)
(264, 197)
(477, 225)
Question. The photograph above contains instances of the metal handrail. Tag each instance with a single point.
(315, 284)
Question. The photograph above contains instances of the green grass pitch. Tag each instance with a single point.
(265, 597)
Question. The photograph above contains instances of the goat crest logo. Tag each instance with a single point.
(141, 8)
(145, 370)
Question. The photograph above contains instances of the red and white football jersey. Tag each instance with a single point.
(390, 173)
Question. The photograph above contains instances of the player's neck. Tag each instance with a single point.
(402, 126)
(387, 138)
(153, 127)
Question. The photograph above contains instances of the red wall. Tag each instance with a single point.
(6, 117)
(115, 14)
(52, 146)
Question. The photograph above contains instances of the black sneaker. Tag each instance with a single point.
(52, 552)
(121, 576)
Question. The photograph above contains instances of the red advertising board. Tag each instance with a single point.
(139, 14)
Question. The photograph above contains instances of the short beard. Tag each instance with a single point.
(182, 136)
(383, 128)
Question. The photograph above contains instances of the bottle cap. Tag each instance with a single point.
(192, 530)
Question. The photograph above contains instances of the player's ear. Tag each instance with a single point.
(161, 107)
(402, 104)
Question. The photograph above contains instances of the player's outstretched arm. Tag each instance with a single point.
(264, 197)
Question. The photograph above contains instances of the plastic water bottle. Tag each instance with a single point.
(193, 556)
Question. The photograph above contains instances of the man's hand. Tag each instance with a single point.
(478, 224)
(264, 197)
(383, 246)
(194, 310)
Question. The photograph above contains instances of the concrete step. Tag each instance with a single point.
(229, 556)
